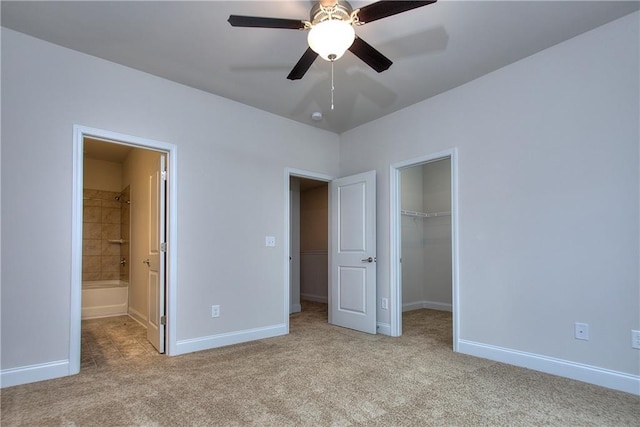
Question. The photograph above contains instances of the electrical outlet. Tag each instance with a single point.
(635, 339)
(270, 241)
(581, 331)
(215, 311)
(384, 303)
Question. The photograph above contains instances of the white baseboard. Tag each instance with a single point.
(221, 340)
(138, 317)
(314, 298)
(383, 328)
(33, 373)
(590, 374)
(295, 308)
(135, 319)
(432, 305)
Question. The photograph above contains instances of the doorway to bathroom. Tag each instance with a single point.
(124, 216)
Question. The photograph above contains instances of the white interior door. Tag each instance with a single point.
(156, 257)
(352, 264)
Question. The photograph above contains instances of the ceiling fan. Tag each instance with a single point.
(331, 31)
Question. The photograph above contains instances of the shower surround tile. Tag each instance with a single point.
(111, 216)
(92, 230)
(110, 263)
(108, 195)
(110, 231)
(92, 247)
(111, 204)
(91, 202)
(110, 275)
(109, 248)
(92, 214)
(91, 263)
(90, 194)
(90, 277)
(102, 217)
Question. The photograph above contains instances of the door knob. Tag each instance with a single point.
(148, 262)
(370, 259)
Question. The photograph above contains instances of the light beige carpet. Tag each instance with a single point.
(319, 375)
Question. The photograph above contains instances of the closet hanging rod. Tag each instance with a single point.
(423, 214)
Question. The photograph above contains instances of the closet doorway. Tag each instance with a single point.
(424, 230)
(425, 225)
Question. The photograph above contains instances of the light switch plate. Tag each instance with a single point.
(270, 241)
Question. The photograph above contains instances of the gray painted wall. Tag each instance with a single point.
(548, 195)
(224, 149)
(437, 232)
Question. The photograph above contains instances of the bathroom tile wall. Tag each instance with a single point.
(101, 223)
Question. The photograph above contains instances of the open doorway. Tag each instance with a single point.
(309, 214)
(426, 236)
(424, 239)
(426, 246)
(351, 242)
(123, 222)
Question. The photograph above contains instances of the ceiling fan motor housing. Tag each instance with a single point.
(331, 32)
(326, 10)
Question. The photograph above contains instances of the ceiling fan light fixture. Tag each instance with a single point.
(331, 38)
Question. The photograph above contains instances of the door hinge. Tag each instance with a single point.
(163, 247)
(163, 320)
(163, 174)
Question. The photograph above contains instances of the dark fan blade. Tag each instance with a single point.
(370, 55)
(255, 21)
(303, 65)
(382, 9)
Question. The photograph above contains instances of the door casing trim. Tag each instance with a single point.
(395, 282)
(288, 174)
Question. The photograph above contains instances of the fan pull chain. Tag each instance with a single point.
(332, 88)
(332, 58)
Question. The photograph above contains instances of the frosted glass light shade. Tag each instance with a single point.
(331, 37)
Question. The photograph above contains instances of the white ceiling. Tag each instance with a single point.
(434, 48)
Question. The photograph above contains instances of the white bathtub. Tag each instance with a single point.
(104, 298)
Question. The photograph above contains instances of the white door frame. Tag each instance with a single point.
(171, 150)
(395, 282)
(288, 173)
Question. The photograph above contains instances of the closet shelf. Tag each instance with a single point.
(423, 214)
(120, 241)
